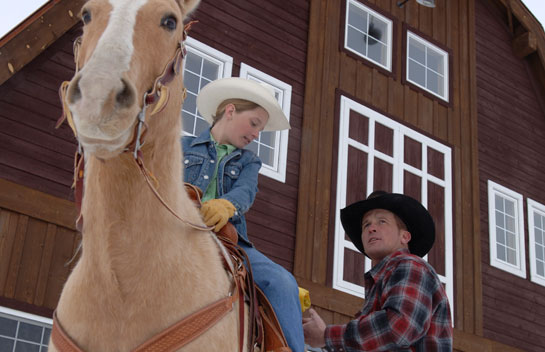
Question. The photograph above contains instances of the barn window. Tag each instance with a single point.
(506, 229)
(378, 153)
(23, 332)
(368, 34)
(536, 232)
(427, 66)
(271, 146)
(202, 65)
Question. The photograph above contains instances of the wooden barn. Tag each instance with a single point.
(446, 104)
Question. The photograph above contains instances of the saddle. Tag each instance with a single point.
(265, 333)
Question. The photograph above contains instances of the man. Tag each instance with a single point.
(406, 307)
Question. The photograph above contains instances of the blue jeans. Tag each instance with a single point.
(281, 290)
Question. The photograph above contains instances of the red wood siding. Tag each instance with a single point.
(511, 130)
(32, 152)
(270, 37)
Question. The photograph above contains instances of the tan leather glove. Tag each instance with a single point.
(216, 212)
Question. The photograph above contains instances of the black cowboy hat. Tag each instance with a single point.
(417, 219)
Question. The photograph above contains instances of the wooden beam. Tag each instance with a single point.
(524, 44)
(37, 33)
(463, 341)
(331, 299)
(36, 204)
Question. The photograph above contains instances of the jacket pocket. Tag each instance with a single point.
(192, 165)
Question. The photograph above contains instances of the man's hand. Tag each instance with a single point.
(314, 329)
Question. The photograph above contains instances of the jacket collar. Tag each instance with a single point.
(204, 137)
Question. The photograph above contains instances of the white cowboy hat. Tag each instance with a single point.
(240, 88)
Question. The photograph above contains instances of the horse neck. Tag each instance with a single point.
(120, 212)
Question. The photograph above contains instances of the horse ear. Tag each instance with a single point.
(188, 6)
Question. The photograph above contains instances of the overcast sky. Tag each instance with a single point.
(14, 12)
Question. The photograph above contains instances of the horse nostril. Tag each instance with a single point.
(125, 98)
(74, 92)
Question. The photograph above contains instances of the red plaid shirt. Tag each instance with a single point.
(406, 309)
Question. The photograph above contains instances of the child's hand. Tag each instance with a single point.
(216, 212)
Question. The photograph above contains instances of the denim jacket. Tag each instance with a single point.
(237, 175)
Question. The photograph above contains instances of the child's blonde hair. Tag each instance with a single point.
(240, 106)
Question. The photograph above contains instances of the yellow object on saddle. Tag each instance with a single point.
(304, 298)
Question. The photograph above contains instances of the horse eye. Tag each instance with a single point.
(169, 22)
(85, 16)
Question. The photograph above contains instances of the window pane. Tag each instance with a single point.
(356, 41)
(539, 252)
(191, 82)
(193, 63)
(267, 138)
(540, 268)
(47, 333)
(210, 70)
(357, 17)
(538, 221)
(378, 52)
(511, 240)
(500, 219)
(539, 237)
(500, 252)
(499, 202)
(6, 344)
(511, 256)
(26, 347)
(378, 29)
(435, 61)
(266, 154)
(500, 236)
(200, 126)
(510, 207)
(510, 223)
(8, 327)
(190, 103)
(253, 146)
(417, 73)
(29, 332)
(435, 83)
(417, 51)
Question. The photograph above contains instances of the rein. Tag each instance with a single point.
(157, 96)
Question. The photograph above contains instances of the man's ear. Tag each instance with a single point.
(405, 236)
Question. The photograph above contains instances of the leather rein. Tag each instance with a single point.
(200, 321)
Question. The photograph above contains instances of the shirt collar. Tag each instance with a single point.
(377, 269)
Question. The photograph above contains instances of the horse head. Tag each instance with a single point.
(125, 47)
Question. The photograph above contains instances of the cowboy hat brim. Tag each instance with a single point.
(217, 91)
(417, 219)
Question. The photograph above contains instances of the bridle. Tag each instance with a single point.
(198, 322)
(157, 97)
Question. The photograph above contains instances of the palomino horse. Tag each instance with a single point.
(141, 269)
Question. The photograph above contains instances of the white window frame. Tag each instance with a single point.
(276, 171)
(389, 35)
(446, 84)
(400, 131)
(224, 61)
(27, 318)
(533, 208)
(519, 269)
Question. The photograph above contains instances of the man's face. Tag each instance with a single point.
(381, 235)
